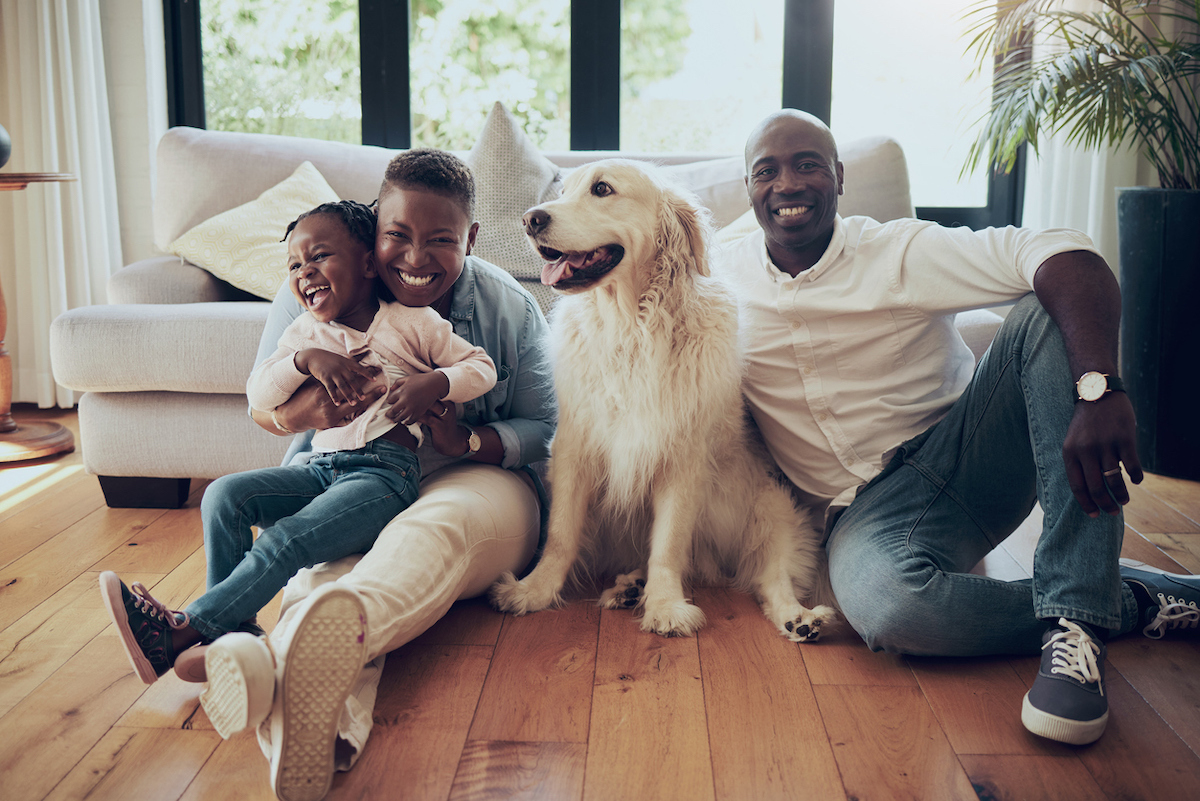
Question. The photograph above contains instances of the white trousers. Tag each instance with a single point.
(471, 523)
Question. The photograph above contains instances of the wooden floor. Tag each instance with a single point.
(569, 704)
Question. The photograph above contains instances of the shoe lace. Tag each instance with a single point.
(1173, 613)
(152, 607)
(1074, 654)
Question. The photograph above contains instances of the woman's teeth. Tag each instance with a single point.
(414, 280)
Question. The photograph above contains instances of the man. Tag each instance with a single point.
(869, 403)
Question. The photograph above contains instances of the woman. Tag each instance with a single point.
(479, 513)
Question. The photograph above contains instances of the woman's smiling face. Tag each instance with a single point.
(421, 243)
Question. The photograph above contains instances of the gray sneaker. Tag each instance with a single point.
(1165, 600)
(1067, 701)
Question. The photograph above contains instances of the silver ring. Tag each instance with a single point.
(444, 410)
(1116, 471)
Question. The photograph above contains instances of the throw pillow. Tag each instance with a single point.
(741, 227)
(511, 177)
(242, 245)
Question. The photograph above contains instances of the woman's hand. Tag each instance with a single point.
(311, 407)
(343, 378)
(445, 434)
(414, 395)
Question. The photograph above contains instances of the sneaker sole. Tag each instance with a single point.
(110, 591)
(324, 659)
(1064, 730)
(241, 683)
(189, 665)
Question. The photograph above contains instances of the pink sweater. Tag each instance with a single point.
(400, 338)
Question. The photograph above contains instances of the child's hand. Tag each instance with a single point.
(342, 377)
(412, 395)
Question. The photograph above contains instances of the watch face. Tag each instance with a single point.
(1091, 386)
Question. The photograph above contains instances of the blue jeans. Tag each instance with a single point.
(899, 554)
(332, 507)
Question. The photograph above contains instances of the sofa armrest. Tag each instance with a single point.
(977, 329)
(169, 279)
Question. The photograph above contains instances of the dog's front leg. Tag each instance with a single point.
(665, 609)
(541, 588)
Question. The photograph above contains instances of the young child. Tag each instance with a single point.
(363, 473)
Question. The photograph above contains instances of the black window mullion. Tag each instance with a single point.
(185, 75)
(383, 37)
(595, 74)
(808, 56)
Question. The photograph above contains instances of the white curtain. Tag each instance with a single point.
(59, 242)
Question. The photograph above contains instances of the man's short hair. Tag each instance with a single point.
(432, 171)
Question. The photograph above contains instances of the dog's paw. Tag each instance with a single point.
(807, 626)
(677, 618)
(626, 593)
(521, 596)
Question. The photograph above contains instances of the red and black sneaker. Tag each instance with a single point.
(144, 624)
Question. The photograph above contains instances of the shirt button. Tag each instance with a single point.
(796, 324)
(808, 371)
(822, 417)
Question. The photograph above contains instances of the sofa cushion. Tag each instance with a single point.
(511, 177)
(719, 184)
(169, 279)
(242, 246)
(188, 347)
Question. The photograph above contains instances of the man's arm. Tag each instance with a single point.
(1079, 292)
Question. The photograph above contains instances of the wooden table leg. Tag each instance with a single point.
(31, 440)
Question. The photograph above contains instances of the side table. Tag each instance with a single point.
(36, 439)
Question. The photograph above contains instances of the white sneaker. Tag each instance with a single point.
(241, 682)
(325, 657)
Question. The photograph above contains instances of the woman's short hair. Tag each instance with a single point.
(432, 171)
(358, 218)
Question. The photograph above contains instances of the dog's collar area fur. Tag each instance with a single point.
(578, 270)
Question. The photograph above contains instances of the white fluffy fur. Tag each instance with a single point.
(654, 467)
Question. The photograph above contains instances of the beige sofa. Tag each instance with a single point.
(163, 366)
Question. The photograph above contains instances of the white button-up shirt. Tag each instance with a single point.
(851, 358)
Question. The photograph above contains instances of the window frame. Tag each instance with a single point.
(595, 84)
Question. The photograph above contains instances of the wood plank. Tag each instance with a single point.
(978, 703)
(539, 686)
(1021, 544)
(236, 771)
(1135, 546)
(1148, 512)
(1000, 565)
(841, 657)
(648, 701)
(64, 497)
(1164, 673)
(426, 699)
(160, 547)
(1180, 494)
(54, 564)
(1020, 778)
(53, 727)
(469, 622)
(888, 744)
(1183, 548)
(765, 730)
(518, 771)
(41, 642)
(138, 763)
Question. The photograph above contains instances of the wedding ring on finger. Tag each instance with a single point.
(1116, 471)
(444, 410)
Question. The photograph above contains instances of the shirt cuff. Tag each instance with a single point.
(511, 443)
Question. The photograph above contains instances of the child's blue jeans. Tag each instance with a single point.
(332, 507)
(900, 553)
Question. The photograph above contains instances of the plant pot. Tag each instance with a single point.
(1159, 232)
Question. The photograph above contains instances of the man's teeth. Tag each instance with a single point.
(414, 280)
(793, 212)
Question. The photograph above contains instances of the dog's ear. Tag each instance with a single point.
(683, 231)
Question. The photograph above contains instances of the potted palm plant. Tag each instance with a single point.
(1119, 73)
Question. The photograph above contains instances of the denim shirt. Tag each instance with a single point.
(489, 309)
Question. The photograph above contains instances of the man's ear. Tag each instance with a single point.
(471, 232)
(841, 178)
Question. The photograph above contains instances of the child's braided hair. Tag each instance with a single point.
(358, 218)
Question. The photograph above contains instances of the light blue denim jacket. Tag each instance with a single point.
(489, 309)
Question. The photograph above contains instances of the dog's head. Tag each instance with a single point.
(617, 220)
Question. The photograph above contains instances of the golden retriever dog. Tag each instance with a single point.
(654, 470)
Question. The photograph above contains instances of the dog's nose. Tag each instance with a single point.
(536, 220)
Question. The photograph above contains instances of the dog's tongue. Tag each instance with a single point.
(565, 267)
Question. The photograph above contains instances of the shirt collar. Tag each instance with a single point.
(836, 245)
(462, 302)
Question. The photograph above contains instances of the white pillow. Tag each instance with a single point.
(511, 177)
(242, 245)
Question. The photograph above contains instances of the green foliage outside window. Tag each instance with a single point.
(293, 67)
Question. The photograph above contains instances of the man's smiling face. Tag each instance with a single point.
(794, 179)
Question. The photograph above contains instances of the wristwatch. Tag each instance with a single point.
(474, 441)
(1092, 386)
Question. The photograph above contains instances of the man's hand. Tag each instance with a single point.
(414, 395)
(311, 407)
(1100, 439)
(343, 378)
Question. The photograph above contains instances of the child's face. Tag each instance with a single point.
(331, 273)
(422, 241)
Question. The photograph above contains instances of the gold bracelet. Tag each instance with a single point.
(279, 425)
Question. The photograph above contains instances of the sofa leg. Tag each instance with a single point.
(135, 492)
